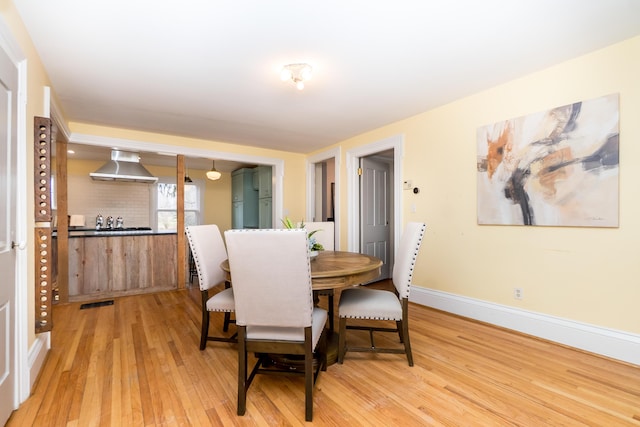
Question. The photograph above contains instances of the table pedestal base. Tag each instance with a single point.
(294, 362)
(332, 347)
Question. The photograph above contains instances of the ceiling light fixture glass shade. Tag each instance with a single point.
(213, 174)
(296, 73)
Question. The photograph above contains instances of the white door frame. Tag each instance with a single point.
(396, 143)
(333, 153)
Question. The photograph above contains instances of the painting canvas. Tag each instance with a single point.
(553, 168)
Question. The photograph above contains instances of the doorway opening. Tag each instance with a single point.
(323, 190)
(386, 153)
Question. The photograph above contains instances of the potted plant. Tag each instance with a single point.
(314, 246)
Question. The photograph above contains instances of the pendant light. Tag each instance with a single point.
(213, 174)
(186, 178)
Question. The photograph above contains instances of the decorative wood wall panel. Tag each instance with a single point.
(44, 134)
(42, 169)
(43, 279)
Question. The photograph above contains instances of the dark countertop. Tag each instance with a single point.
(130, 231)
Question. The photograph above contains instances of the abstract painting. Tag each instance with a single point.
(553, 168)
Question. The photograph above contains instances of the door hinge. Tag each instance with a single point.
(359, 171)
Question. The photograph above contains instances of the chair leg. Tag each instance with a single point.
(205, 329)
(342, 333)
(330, 304)
(242, 371)
(227, 320)
(308, 379)
(400, 331)
(407, 342)
(404, 327)
(204, 333)
(325, 347)
(227, 315)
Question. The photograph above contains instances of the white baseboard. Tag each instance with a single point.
(37, 355)
(611, 343)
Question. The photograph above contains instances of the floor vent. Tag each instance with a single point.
(96, 304)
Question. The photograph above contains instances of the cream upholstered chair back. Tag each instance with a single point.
(270, 274)
(325, 235)
(271, 278)
(208, 250)
(406, 255)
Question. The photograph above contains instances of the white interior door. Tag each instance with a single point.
(8, 181)
(375, 212)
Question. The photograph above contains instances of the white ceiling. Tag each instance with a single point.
(210, 69)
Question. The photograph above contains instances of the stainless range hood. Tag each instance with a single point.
(124, 166)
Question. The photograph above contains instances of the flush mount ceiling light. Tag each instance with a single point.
(213, 174)
(297, 73)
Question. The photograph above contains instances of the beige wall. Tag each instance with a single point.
(584, 274)
(217, 199)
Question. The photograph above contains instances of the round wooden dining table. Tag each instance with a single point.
(331, 270)
(336, 269)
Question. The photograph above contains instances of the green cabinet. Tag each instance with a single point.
(265, 186)
(251, 190)
(264, 182)
(244, 196)
(264, 212)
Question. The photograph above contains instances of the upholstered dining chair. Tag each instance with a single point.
(325, 235)
(377, 305)
(208, 251)
(271, 279)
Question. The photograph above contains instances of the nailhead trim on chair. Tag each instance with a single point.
(413, 261)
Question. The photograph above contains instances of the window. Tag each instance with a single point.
(166, 215)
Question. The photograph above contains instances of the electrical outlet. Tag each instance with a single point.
(517, 293)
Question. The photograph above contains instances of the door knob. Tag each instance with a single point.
(20, 246)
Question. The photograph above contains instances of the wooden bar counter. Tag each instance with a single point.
(114, 264)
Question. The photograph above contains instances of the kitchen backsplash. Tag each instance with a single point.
(130, 200)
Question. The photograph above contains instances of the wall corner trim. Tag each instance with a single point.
(37, 355)
(606, 342)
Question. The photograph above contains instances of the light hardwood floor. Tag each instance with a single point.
(137, 363)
